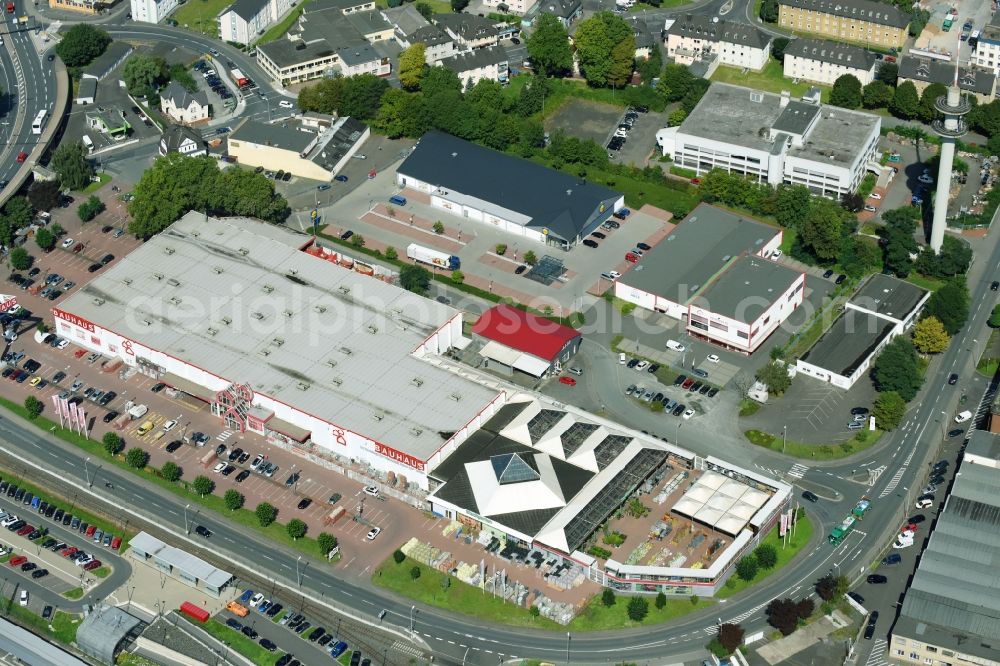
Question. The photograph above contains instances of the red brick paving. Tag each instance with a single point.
(415, 231)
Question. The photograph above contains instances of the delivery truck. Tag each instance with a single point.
(433, 257)
(238, 76)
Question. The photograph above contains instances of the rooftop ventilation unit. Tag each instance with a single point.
(457, 397)
(227, 321)
(417, 381)
(98, 301)
(212, 331)
(416, 432)
(173, 282)
(127, 281)
(244, 251)
(293, 271)
(302, 386)
(265, 352)
(217, 270)
(336, 381)
(267, 288)
(174, 300)
(277, 342)
(331, 362)
(378, 417)
(319, 309)
(147, 322)
(168, 250)
(157, 276)
(257, 315)
(346, 351)
(373, 329)
(344, 290)
(288, 314)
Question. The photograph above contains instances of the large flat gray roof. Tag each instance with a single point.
(742, 289)
(954, 599)
(848, 342)
(888, 296)
(238, 298)
(279, 135)
(695, 251)
(745, 117)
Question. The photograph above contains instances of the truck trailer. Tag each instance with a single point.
(238, 77)
(433, 257)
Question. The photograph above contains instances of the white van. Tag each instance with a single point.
(963, 417)
(674, 345)
(88, 143)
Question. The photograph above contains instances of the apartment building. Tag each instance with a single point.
(824, 62)
(473, 66)
(986, 53)
(183, 107)
(518, 7)
(146, 11)
(245, 20)
(863, 21)
(692, 38)
(922, 72)
(468, 30)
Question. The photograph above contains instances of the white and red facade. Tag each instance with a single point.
(323, 435)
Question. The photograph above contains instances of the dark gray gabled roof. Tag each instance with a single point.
(702, 27)
(277, 135)
(476, 59)
(105, 63)
(247, 9)
(182, 99)
(550, 199)
(87, 88)
(836, 53)
(862, 10)
(640, 31)
(563, 9)
(929, 70)
(467, 26)
(431, 35)
(175, 135)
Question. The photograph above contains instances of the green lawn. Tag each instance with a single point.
(201, 15)
(863, 440)
(74, 594)
(595, 616)
(102, 179)
(457, 597)
(60, 627)
(803, 532)
(770, 79)
(279, 29)
(438, 6)
(101, 572)
(787, 239)
(924, 282)
(237, 641)
(988, 366)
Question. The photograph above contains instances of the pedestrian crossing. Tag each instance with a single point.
(798, 470)
(406, 649)
(224, 435)
(878, 656)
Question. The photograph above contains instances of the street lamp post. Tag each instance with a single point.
(86, 470)
(298, 575)
(413, 609)
(677, 434)
(567, 648)
(187, 528)
(784, 438)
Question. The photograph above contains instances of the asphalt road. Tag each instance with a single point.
(27, 88)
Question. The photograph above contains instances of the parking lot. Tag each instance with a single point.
(636, 131)
(935, 37)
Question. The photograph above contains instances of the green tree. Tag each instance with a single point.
(203, 485)
(769, 11)
(767, 556)
(898, 238)
(81, 44)
(826, 587)
(533, 611)
(950, 305)
(266, 513)
(425, 10)
(859, 256)
(69, 161)
(398, 556)
(775, 376)
(326, 542)
(136, 458)
(458, 5)
(747, 568)
(661, 600)
(233, 499)
(675, 82)
(438, 227)
(33, 406)
(676, 117)
(994, 321)
(638, 608)
(391, 254)
(905, 101)
(608, 597)
(440, 80)
(927, 111)
(20, 259)
(985, 119)
(605, 48)
(415, 278)
(876, 95)
(180, 75)
(530, 258)
(90, 208)
(954, 258)
(414, 573)
(778, 47)
(791, 204)
(846, 92)
(888, 410)
(15, 214)
(458, 277)
(144, 74)
(112, 443)
(362, 95)
(918, 20)
(548, 47)
(888, 73)
(783, 615)
(45, 194)
(296, 528)
(44, 239)
(929, 336)
(171, 471)
(821, 232)
(897, 369)
(412, 64)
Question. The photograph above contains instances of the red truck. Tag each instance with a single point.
(10, 7)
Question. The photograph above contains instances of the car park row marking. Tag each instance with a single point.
(224, 435)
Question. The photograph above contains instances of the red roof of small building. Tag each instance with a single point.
(524, 331)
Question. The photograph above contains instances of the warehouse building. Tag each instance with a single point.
(512, 194)
(516, 340)
(775, 139)
(883, 308)
(713, 273)
(542, 477)
(951, 609)
(316, 358)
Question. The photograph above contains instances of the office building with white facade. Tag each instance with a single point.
(820, 61)
(775, 139)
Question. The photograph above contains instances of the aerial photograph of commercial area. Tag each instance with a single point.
(500, 332)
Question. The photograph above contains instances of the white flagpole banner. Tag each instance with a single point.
(55, 405)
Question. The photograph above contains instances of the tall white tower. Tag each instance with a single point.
(951, 127)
